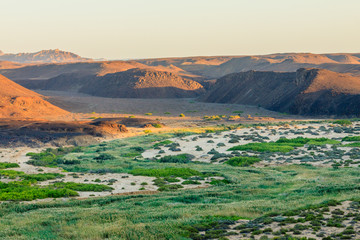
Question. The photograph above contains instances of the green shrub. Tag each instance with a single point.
(169, 187)
(24, 191)
(181, 158)
(42, 176)
(351, 139)
(219, 182)
(83, 187)
(4, 165)
(263, 147)
(355, 144)
(162, 143)
(50, 157)
(12, 174)
(104, 157)
(300, 141)
(242, 161)
(166, 172)
(343, 122)
(188, 182)
(45, 159)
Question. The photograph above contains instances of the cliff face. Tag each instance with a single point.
(142, 83)
(306, 92)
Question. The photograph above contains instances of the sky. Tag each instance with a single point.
(130, 29)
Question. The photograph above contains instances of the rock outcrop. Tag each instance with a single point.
(142, 83)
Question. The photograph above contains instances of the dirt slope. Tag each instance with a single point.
(307, 92)
(142, 83)
(19, 102)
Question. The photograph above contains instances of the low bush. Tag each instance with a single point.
(50, 157)
(190, 182)
(343, 122)
(181, 158)
(163, 143)
(220, 182)
(83, 187)
(24, 191)
(300, 141)
(351, 139)
(4, 165)
(242, 161)
(169, 187)
(104, 157)
(12, 174)
(263, 147)
(42, 176)
(166, 172)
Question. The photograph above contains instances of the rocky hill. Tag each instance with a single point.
(44, 56)
(306, 91)
(215, 67)
(200, 69)
(19, 102)
(142, 83)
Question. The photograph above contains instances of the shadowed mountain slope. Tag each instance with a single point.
(307, 91)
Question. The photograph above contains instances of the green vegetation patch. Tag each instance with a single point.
(51, 157)
(24, 191)
(355, 144)
(351, 139)
(283, 145)
(12, 174)
(166, 172)
(263, 147)
(162, 143)
(343, 122)
(300, 141)
(180, 158)
(83, 187)
(210, 227)
(242, 161)
(42, 176)
(251, 194)
(170, 187)
(5, 165)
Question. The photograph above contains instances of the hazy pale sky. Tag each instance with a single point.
(119, 29)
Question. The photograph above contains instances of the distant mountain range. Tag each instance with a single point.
(44, 56)
(271, 81)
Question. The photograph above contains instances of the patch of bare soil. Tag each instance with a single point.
(35, 133)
